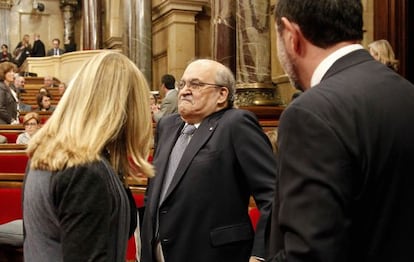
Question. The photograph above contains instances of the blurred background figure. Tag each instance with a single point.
(62, 88)
(18, 86)
(44, 102)
(48, 81)
(382, 51)
(56, 50)
(8, 97)
(22, 50)
(5, 55)
(169, 102)
(38, 49)
(31, 123)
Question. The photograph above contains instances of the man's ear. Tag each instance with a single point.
(293, 38)
(223, 95)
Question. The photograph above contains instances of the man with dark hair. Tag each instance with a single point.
(346, 145)
(55, 50)
(169, 102)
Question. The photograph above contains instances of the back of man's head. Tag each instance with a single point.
(324, 22)
(168, 81)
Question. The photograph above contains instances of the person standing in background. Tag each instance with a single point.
(22, 50)
(169, 102)
(76, 203)
(382, 51)
(55, 50)
(38, 49)
(346, 145)
(8, 96)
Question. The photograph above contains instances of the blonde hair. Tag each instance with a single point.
(382, 51)
(31, 115)
(105, 109)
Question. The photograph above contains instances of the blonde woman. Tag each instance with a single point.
(382, 51)
(76, 206)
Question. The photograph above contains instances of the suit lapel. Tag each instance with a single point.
(200, 137)
(162, 156)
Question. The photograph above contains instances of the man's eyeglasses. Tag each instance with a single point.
(195, 85)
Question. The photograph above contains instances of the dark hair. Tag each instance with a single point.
(39, 99)
(323, 22)
(4, 45)
(168, 81)
(56, 39)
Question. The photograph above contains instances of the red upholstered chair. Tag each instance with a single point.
(14, 162)
(11, 135)
(10, 204)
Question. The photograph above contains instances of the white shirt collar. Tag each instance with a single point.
(324, 66)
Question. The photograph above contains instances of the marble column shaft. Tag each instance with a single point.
(68, 8)
(253, 41)
(92, 24)
(223, 28)
(138, 35)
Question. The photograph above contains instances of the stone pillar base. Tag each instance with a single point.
(256, 94)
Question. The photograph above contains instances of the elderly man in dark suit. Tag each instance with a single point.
(346, 145)
(198, 209)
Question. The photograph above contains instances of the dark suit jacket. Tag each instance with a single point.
(204, 216)
(38, 49)
(346, 151)
(8, 105)
(51, 52)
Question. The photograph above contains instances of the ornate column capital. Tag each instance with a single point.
(72, 3)
(7, 4)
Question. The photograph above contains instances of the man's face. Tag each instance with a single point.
(48, 81)
(55, 44)
(286, 61)
(195, 104)
(19, 82)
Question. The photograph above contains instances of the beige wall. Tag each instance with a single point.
(181, 32)
(49, 23)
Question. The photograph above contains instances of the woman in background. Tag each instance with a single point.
(382, 51)
(8, 97)
(5, 55)
(31, 123)
(76, 205)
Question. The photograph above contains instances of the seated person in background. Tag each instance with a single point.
(382, 51)
(49, 82)
(56, 50)
(62, 88)
(5, 55)
(44, 102)
(31, 125)
(18, 86)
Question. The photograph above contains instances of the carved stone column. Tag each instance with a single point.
(68, 8)
(223, 30)
(253, 77)
(5, 6)
(138, 35)
(92, 24)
